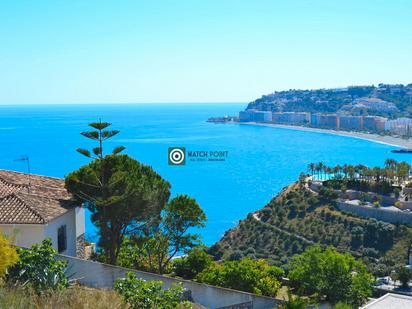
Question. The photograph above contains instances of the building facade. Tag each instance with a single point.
(34, 207)
(255, 116)
(351, 122)
(325, 121)
(374, 123)
(262, 116)
(400, 126)
(291, 117)
(246, 116)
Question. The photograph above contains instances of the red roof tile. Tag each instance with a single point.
(38, 203)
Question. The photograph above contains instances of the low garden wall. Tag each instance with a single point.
(379, 213)
(370, 197)
(356, 195)
(99, 275)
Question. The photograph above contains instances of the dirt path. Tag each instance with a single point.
(256, 217)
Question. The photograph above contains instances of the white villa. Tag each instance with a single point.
(34, 207)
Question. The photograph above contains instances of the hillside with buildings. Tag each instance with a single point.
(384, 109)
(384, 100)
(354, 209)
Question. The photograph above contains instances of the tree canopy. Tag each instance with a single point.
(337, 276)
(161, 240)
(133, 195)
(248, 275)
(195, 262)
(130, 199)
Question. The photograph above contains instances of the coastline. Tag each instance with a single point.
(376, 138)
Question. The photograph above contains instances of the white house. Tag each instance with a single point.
(390, 301)
(34, 207)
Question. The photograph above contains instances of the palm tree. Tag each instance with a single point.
(391, 165)
(367, 173)
(345, 171)
(357, 171)
(351, 172)
(361, 170)
(403, 170)
(377, 174)
(311, 168)
(321, 167)
(339, 169)
(318, 168)
(328, 171)
(336, 171)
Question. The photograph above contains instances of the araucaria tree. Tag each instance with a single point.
(121, 194)
(100, 134)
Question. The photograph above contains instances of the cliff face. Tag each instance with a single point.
(390, 100)
(298, 218)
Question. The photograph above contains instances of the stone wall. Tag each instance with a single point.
(99, 275)
(80, 247)
(380, 213)
(370, 197)
(356, 195)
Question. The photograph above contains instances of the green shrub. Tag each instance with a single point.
(342, 305)
(404, 275)
(329, 273)
(195, 262)
(254, 276)
(141, 294)
(294, 302)
(38, 268)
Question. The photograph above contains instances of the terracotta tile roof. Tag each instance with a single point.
(38, 203)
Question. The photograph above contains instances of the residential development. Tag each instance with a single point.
(336, 121)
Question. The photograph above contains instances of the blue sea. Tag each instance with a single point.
(260, 162)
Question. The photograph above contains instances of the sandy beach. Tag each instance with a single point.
(388, 140)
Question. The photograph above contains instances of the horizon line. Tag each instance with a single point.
(121, 103)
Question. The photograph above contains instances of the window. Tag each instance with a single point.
(61, 239)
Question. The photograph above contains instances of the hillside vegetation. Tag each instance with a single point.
(298, 218)
(393, 100)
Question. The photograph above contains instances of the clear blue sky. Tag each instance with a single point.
(197, 51)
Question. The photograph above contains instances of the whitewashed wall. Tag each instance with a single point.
(99, 275)
(68, 219)
(24, 235)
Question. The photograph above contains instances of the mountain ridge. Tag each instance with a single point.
(390, 100)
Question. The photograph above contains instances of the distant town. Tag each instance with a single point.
(400, 126)
(384, 109)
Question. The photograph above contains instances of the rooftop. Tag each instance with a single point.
(32, 199)
(390, 301)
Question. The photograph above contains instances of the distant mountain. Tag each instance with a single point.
(385, 100)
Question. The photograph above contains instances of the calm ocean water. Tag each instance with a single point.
(260, 161)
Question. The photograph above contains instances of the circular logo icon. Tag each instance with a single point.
(177, 156)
